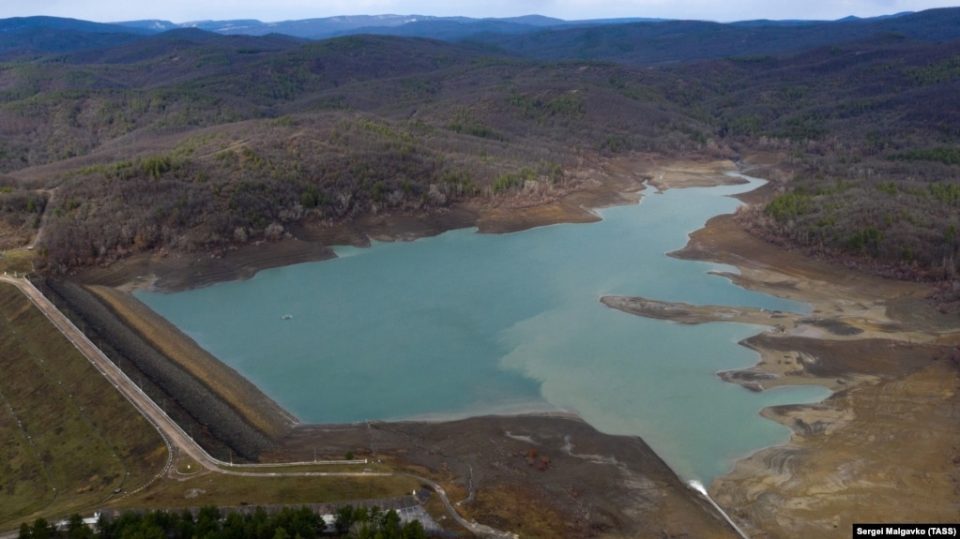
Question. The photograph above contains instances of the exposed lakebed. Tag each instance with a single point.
(466, 324)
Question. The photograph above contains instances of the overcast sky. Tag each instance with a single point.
(274, 10)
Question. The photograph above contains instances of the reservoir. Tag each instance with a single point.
(467, 324)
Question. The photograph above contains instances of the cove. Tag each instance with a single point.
(465, 324)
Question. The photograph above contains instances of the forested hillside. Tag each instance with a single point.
(870, 129)
(190, 140)
(649, 43)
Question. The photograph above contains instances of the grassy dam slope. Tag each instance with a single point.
(68, 441)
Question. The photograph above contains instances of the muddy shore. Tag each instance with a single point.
(879, 344)
(541, 475)
(536, 475)
(593, 186)
(549, 475)
(885, 446)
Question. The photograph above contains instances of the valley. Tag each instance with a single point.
(518, 273)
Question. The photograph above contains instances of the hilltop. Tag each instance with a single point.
(662, 42)
(208, 151)
(198, 140)
(635, 40)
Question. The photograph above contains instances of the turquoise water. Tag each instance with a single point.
(464, 324)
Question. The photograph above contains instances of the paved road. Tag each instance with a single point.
(176, 439)
(173, 435)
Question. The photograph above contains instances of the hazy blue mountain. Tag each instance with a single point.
(771, 22)
(314, 28)
(534, 20)
(27, 36)
(450, 28)
(195, 50)
(631, 41)
(463, 29)
(678, 41)
(23, 24)
(153, 25)
(634, 40)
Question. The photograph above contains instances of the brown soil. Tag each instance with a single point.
(615, 182)
(388, 227)
(680, 174)
(540, 476)
(610, 182)
(879, 343)
(544, 476)
(684, 313)
(885, 450)
(885, 446)
(180, 271)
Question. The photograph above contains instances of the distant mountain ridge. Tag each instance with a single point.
(536, 37)
(20, 36)
(682, 41)
(306, 28)
(434, 26)
(20, 24)
(408, 25)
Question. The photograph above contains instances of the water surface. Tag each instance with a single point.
(463, 324)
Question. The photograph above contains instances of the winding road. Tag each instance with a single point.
(178, 441)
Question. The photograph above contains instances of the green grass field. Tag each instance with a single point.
(230, 490)
(16, 261)
(68, 440)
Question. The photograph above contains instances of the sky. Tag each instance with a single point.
(276, 10)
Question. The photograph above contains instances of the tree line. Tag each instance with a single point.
(212, 523)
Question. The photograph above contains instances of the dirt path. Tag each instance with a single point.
(43, 219)
(179, 442)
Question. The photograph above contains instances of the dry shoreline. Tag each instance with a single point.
(611, 182)
(547, 474)
(884, 447)
(860, 338)
(580, 482)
